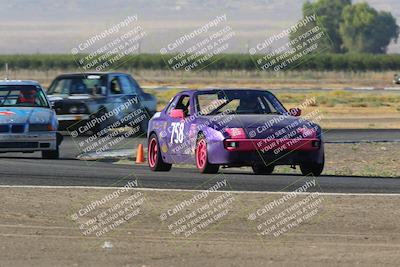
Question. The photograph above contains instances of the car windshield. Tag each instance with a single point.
(22, 96)
(90, 84)
(238, 102)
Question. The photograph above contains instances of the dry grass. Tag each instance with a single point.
(374, 160)
(258, 79)
(369, 109)
(248, 79)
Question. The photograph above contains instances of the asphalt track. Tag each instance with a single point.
(361, 135)
(31, 170)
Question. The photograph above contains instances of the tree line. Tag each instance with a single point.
(352, 28)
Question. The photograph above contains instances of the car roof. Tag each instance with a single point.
(212, 90)
(19, 82)
(90, 73)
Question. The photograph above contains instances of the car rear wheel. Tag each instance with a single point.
(155, 158)
(144, 124)
(263, 169)
(202, 157)
(51, 154)
(314, 169)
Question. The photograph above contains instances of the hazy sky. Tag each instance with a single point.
(53, 26)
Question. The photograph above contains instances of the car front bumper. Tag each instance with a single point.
(67, 121)
(72, 117)
(278, 152)
(28, 142)
(264, 145)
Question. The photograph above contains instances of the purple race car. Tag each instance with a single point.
(233, 128)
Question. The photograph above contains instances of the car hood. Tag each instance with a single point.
(260, 126)
(31, 115)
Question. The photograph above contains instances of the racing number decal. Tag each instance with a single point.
(177, 132)
(7, 113)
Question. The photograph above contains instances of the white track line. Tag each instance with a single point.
(194, 190)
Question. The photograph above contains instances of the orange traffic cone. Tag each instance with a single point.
(140, 154)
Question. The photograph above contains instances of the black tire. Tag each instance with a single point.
(207, 167)
(51, 154)
(102, 125)
(159, 164)
(263, 169)
(313, 168)
(144, 125)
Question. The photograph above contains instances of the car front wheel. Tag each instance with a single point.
(155, 160)
(102, 124)
(202, 157)
(51, 154)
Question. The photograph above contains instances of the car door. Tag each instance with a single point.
(164, 123)
(122, 101)
(139, 115)
(115, 98)
(178, 129)
(131, 93)
(148, 101)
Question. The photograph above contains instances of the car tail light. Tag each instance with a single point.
(236, 133)
(231, 144)
(316, 144)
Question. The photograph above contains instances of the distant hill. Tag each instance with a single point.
(48, 26)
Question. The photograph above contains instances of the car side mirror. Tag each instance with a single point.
(177, 114)
(296, 112)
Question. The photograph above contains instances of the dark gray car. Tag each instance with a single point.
(86, 97)
(396, 79)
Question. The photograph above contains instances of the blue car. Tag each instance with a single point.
(233, 128)
(27, 121)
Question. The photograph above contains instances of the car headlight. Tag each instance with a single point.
(73, 109)
(81, 109)
(41, 127)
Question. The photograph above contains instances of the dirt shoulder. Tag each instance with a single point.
(364, 159)
(37, 229)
